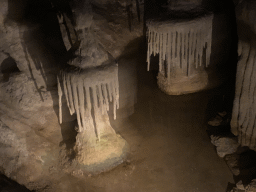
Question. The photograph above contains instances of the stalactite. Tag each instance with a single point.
(180, 44)
(60, 99)
(66, 91)
(116, 92)
(179, 50)
(194, 46)
(76, 104)
(105, 94)
(188, 55)
(185, 49)
(182, 49)
(196, 49)
(81, 103)
(161, 52)
(172, 47)
(165, 40)
(70, 97)
(200, 48)
(149, 49)
(168, 64)
(102, 82)
(99, 94)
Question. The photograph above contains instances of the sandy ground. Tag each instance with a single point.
(170, 150)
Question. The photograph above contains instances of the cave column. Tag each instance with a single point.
(90, 85)
(181, 36)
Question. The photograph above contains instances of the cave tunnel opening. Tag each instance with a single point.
(8, 67)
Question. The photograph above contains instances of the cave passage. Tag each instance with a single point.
(169, 146)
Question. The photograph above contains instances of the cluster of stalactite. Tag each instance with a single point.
(87, 90)
(180, 43)
(243, 121)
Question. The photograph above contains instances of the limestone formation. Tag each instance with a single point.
(224, 145)
(183, 43)
(89, 85)
(180, 43)
(86, 89)
(243, 116)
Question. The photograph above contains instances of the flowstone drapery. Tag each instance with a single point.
(244, 106)
(243, 115)
(88, 93)
(89, 88)
(184, 48)
(180, 44)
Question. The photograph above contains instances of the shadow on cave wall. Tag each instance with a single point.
(223, 96)
(7, 185)
(44, 50)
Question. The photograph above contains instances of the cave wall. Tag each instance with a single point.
(33, 144)
(243, 116)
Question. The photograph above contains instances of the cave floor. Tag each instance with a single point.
(170, 150)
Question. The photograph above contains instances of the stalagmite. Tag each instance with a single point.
(103, 83)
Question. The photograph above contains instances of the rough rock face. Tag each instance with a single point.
(20, 42)
(124, 21)
(30, 132)
(30, 54)
(20, 91)
(243, 116)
